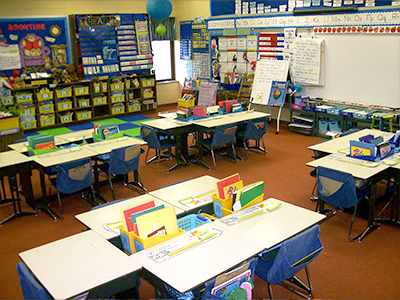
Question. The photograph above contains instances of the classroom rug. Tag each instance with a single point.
(129, 125)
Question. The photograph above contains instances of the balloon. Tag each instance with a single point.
(159, 9)
(161, 29)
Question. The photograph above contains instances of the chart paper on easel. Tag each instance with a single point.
(266, 72)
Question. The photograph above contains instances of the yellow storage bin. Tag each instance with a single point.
(44, 95)
(127, 83)
(134, 106)
(67, 105)
(96, 87)
(133, 243)
(27, 111)
(84, 102)
(147, 82)
(118, 110)
(117, 86)
(219, 203)
(117, 98)
(62, 93)
(188, 103)
(23, 97)
(103, 87)
(7, 100)
(228, 211)
(148, 94)
(100, 100)
(65, 118)
(83, 115)
(47, 121)
(28, 125)
(81, 90)
(9, 123)
(46, 108)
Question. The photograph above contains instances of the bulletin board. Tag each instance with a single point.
(33, 44)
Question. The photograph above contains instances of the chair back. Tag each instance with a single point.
(74, 176)
(223, 135)
(31, 288)
(149, 135)
(336, 188)
(295, 254)
(255, 129)
(124, 160)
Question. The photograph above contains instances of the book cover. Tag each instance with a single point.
(248, 193)
(48, 145)
(361, 149)
(278, 93)
(232, 188)
(162, 217)
(127, 212)
(142, 212)
(383, 149)
(219, 185)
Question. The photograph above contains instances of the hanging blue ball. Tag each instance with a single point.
(159, 9)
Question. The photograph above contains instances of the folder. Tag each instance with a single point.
(143, 212)
(162, 217)
(127, 212)
(219, 185)
(248, 193)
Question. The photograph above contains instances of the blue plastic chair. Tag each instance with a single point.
(31, 288)
(73, 177)
(123, 161)
(254, 130)
(338, 189)
(222, 136)
(159, 144)
(280, 264)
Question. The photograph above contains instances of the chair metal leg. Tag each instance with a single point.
(59, 203)
(213, 157)
(297, 282)
(245, 149)
(270, 291)
(111, 186)
(137, 184)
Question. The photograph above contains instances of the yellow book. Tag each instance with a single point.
(162, 217)
(230, 189)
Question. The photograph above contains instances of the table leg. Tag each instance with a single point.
(97, 182)
(46, 198)
(394, 202)
(199, 157)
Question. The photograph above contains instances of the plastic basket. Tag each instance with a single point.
(192, 221)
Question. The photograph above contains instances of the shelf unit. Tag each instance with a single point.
(310, 120)
(45, 106)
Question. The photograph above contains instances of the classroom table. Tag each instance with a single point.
(82, 263)
(76, 136)
(22, 146)
(195, 266)
(180, 131)
(11, 164)
(336, 144)
(95, 219)
(375, 174)
(272, 228)
(190, 188)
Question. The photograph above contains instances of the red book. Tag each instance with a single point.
(127, 212)
(48, 145)
(219, 185)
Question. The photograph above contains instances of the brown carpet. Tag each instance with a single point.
(344, 270)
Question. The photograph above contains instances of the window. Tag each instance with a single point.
(163, 59)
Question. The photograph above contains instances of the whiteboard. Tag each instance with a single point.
(266, 72)
(360, 68)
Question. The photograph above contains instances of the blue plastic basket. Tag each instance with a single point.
(192, 221)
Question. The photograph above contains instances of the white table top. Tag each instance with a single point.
(334, 145)
(76, 135)
(165, 123)
(76, 264)
(194, 187)
(272, 228)
(95, 219)
(107, 146)
(230, 118)
(199, 264)
(12, 157)
(356, 170)
(63, 156)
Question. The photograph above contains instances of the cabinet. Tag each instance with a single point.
(47, 106)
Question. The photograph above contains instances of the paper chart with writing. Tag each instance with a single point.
(266, 72)
(307, 61)
(250, 212)
(198, 200)
(191, 239)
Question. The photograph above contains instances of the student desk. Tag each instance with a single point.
(197, 265)
(232, 118)
(180, 130)
(272, 228)
(11, 164)
(95, 219)
(359, 171)
(82, 263)
(334, 145)
(76, 136)
(191, 188)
